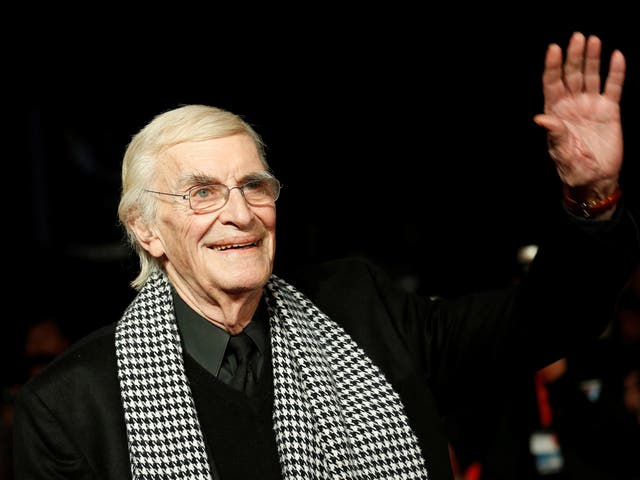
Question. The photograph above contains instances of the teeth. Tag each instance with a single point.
(228, 247)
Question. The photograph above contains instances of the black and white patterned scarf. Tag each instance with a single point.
(335, 415)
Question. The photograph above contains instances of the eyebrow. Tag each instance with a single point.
(194, 179)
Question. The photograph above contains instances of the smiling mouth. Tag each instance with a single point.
(234, 246)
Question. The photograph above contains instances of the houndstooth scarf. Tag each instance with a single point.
(335, 416)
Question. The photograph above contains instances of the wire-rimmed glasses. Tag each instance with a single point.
(208, 198)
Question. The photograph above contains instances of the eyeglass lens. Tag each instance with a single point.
(256, 192)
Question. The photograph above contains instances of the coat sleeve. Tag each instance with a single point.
(566, 300)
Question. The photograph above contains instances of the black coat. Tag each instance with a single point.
(436, 353)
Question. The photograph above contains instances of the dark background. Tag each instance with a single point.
(405, 136)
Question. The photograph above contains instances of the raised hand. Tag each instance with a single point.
(583, 125)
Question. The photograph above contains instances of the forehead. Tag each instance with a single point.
(219, 158)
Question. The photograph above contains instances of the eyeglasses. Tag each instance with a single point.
(208, 198)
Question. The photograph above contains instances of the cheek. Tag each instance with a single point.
(178, 226)
(194, 228)
(268, 219)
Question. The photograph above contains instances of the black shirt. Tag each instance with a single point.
(207, 342)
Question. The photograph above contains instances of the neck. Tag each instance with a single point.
(231, 312)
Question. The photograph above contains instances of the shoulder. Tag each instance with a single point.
(69, 418)
(348, 274)
(346, 287)
(84, 363)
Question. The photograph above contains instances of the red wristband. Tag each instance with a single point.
(591, 208)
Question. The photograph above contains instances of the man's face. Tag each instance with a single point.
(219, 254)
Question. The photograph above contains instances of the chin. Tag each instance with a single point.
(245, 281)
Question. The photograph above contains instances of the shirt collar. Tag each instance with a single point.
(206, 342)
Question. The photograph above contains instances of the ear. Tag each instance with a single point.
(147, 237)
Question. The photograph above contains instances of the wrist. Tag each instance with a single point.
(588, 203)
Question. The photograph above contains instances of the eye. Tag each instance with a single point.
(202, 192)
(255, 185)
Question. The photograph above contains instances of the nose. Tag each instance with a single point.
(236, 210)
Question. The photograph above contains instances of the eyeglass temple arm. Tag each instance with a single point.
(185, 196)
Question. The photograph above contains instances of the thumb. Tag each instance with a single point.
(555, 127)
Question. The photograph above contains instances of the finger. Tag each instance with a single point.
(574, 64)
(615, 78)
(592, 65)
(552, 85)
